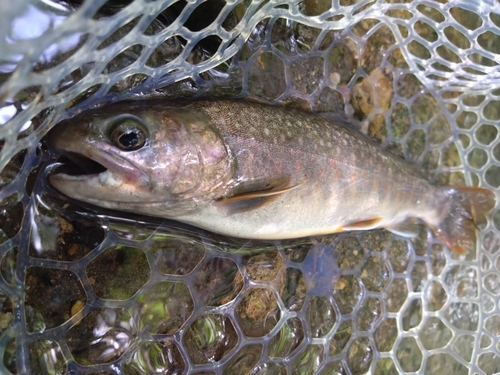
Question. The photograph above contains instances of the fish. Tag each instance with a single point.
(255, 171)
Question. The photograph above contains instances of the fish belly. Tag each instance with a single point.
(301, 213)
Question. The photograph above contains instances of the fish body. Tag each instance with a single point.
(255, 171)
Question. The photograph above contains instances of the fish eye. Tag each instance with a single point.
(128, 134)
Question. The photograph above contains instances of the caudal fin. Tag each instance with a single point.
(469, 208)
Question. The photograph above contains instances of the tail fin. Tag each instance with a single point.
(469, 208)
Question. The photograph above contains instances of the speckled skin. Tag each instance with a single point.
(200, 153)
(345, 177)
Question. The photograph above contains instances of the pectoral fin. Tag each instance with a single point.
(253, 199)
(258, 194)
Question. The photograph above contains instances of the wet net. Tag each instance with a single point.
(83, 290)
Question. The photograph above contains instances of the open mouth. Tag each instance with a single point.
(87, 166)
(74, 164)
(80, 169)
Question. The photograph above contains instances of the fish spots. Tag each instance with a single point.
(352, 178)
(267, 132)
(299, 167)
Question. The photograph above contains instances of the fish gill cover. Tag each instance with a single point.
(83, 291)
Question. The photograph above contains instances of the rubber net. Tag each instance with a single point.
(86, 291)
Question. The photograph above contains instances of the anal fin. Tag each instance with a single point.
(363, 224)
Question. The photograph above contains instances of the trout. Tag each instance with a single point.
(255, 171)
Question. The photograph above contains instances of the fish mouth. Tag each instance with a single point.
(96, 172)
(77, 166)
(95, 163)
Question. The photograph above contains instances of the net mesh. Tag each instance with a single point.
(82, 291)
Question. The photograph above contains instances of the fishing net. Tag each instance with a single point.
(83, 290)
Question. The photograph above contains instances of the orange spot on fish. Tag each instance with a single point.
(375, 185)
(352, 179)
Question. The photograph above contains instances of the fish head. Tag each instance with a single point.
(137, 155)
